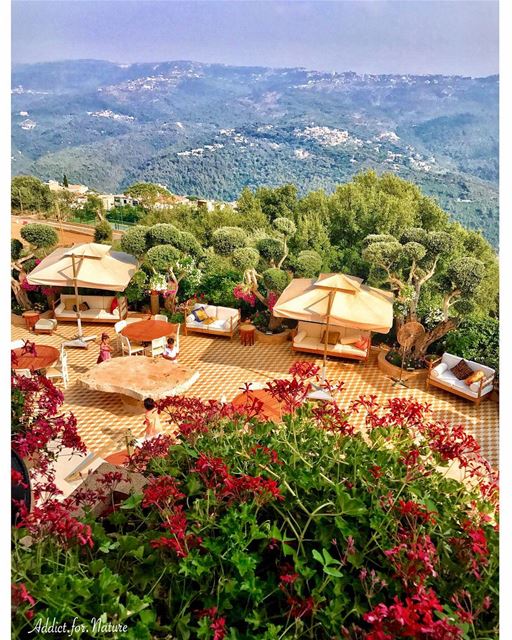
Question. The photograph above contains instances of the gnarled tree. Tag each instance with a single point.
(418, 261)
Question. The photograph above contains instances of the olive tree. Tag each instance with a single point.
(420, 259)
(308, 264)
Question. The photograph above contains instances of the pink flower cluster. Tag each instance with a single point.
(245, 292)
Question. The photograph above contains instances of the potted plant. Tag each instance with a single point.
(157, 284)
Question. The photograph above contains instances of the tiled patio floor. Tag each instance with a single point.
(225, 365)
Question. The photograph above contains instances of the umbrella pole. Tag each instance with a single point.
(328, 320)
(80, 341)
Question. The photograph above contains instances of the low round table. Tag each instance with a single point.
(31, 318)
(147, 330)
(136, 378)
(247, 333)
(44, 357)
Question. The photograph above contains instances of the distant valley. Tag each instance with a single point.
(209, 130)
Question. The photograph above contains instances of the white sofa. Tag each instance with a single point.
(225, 322)
(99, 308)
(308, 338)
(439, 375)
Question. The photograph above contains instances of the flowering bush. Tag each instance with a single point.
(305, 529)
(246, 293)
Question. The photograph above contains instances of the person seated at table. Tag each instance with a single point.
(105, 349)
(171, 351)
(151, 419)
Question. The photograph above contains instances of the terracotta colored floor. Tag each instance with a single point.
(224, 366)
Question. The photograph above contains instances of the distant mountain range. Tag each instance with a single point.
(209, 130)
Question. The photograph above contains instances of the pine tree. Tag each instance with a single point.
(65, 182)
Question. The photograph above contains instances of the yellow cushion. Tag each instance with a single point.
(208, 320)
(201, 315)
(332, 338)
(474, 377)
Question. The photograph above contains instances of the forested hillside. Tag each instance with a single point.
(210, 130)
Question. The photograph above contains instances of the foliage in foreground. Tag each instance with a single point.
(249, 529)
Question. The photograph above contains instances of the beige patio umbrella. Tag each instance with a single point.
(88, 265)
(338, 299)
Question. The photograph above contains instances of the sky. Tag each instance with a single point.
(365, 36)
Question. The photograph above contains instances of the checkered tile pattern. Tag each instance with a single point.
(224, 365)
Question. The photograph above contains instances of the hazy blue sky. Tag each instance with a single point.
(407, 36)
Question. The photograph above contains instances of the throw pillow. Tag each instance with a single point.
(461, 370)
(351, 339)
(199, 314)
(362, 344)
(330, 337)
(439, 370)
(208, 320)
(476, 376)
(114, 305)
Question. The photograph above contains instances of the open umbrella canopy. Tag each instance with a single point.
(96, 267)
(351, 303)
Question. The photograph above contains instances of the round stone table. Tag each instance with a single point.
(136, 378)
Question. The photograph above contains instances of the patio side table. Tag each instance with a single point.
(247, 335)
(31, 318)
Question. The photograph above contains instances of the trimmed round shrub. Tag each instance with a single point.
(103, 232)
(162, 257)
(246, 258)
(16, 249)
(162, 234)
(308, 264)
(414, 250)
(186, 242)
(135, 241)
(226, 239)
(275, 280)
(40, 236)
(285, 226)
(272, 249)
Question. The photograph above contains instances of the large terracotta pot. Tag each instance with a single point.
(275, 338)
(394, 372)
(155, 303)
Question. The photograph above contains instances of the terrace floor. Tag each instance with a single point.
(224, 365)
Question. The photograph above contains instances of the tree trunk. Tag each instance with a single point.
(420, 347)
(155, 303)
(20, 294)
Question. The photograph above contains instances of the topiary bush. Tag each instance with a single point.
(16, 249)
(308, 264)
(226, 239)
(303, 529)
(135, 241)
(103, 232)
(163, 233)
(246, 258)
(272, 249)
(39, 236)
(162, 257)
(275, 280)
(187, 243)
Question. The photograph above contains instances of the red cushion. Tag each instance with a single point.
(362, 344)
(114, 305)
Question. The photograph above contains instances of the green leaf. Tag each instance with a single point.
(148, 616)
(318, 556)
(133, 501)
(328, 558)
(333, 572)
(287, 550)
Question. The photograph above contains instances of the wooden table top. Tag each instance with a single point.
(30, 314)
(43, 357)
(147, 330)
(271, 407)
(140, 377)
